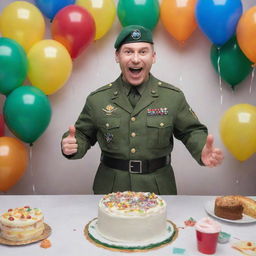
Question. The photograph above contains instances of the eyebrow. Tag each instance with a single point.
(129, 48)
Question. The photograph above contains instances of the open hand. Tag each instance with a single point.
(211, 156)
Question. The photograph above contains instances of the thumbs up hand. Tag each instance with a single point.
(211, 156)
(69, 144)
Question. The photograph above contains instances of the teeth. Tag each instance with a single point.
(135, 69)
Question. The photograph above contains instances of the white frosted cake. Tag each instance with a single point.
(131, 216)
(21, 224)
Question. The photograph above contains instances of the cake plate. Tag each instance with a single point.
(44, 235)
(209, 208)
(92, 235)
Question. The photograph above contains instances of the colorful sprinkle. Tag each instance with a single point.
(132, 201)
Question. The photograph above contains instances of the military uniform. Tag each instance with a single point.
(144, 132)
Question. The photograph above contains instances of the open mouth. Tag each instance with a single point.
(135, 70)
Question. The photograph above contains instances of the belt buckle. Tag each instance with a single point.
(133, 164)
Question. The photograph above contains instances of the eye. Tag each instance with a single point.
(143, 52)
(127, 52)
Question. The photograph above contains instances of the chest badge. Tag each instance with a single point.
(109, 110)
(157, 111)
(108, 137)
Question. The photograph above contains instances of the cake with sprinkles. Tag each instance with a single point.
(21, 224)
(131, 216)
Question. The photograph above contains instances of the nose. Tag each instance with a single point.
(135, 57)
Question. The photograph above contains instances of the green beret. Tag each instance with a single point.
(133, 34)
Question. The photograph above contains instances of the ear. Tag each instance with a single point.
(117, 56)
(154, 57)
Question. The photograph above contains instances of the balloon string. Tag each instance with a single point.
(180, 79)
(180, 82)
(182, 43)
(73, 91)
(97, 61)
(31, 169)
(252, 78)
(220, 82)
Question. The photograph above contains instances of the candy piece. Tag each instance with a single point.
(45, 244)
(190, 222)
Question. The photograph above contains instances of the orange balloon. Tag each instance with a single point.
(13, 162)
(246, 33)
(178, 18)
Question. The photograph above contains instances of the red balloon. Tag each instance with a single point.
(74, 27)
(1, 125)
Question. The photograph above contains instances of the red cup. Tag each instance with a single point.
(207, 242)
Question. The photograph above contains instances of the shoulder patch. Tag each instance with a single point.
(169, 86)
(103, 88)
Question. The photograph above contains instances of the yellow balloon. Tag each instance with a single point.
(103, 12)
(50, 66)
(23, 22)
(238, 130)
(0, 25)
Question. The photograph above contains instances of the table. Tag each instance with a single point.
(68, 214)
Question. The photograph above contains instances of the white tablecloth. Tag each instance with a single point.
(68, 214)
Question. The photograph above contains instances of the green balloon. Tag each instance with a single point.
(27, 113)
(143, 12)
(14, 65)
(234, 66)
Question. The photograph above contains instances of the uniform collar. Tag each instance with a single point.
(141, 88)
(120, 98)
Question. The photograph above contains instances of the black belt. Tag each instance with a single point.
(136, 166)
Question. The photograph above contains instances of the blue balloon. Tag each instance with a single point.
(50, 7)
(218, 18)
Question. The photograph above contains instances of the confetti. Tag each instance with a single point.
(179, 251)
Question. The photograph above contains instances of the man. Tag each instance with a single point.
(134, 120)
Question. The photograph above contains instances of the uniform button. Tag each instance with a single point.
(110, 85)
(107, 124)
(153, 91)
(133, 150)
(133, 118)
(115, 93)
(133, 134)
(161, 124)
(159, 83)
